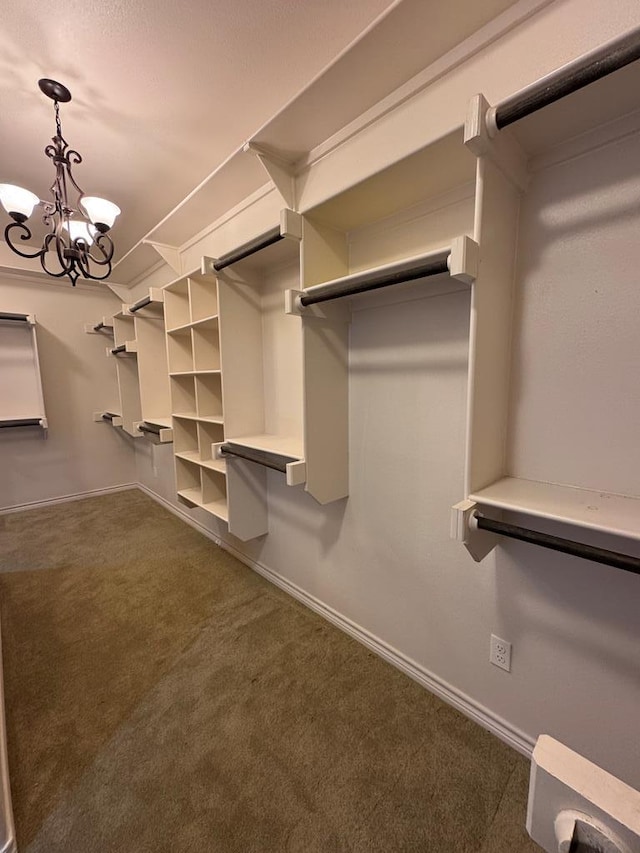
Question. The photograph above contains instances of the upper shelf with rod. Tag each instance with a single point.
(21, 397)
(560, 158)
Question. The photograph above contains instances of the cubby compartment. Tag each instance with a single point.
(176, 304)
(183, 396)
(208, 434)
(208, 389)
(203, 294)
(180, 351)
(188, 482)
(185, 439)
(206, 345)
(214, 493)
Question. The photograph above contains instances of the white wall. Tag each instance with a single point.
(78, 455)
(383, 558)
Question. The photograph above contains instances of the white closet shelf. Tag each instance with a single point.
(194, 456)
(283, 445)
(164, 422)
(458, 260)
(217, 508)
(193, 416)
(593, 510)
(210, 322)
(195, 372)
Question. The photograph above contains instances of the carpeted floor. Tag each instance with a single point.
(162, 696)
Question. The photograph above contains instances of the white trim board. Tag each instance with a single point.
(483, 716)
(94, 493)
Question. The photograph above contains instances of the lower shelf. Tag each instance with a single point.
(599, 511)
(201, 486)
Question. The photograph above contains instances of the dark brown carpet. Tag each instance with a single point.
(162, 696)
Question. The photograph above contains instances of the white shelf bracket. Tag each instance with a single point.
(296, 473)
(478, 543)
(290, 224)
(169, 254)
(278, 169)
(463, 260)
(483, 139)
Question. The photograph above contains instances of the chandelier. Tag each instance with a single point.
(76, 243)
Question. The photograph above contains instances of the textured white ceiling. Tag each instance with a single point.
(164, 91)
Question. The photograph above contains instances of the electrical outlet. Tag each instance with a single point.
(500, 653)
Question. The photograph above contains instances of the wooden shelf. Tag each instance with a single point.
(283, 445)
(218, 508)
(194, 372)
(206, 322)
(593, 510)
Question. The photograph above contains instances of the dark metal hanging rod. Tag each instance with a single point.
(275, 461)
(22, 318)
(141, 303)
(101, 325)
(250, 248)
(555, 543)
(109, 416)
(587, 69)
(150, 428)
(121, 348)
(20, 422)
(368, 280)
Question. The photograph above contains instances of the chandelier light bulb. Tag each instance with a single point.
(80, 230)
(18, 202)
(100, 211)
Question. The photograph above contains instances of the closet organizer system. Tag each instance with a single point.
(257, 340)
(258, 360)
(137, 344)
(21, 399)
(554, 409)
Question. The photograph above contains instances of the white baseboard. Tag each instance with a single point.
(93, 493)
(480, 714)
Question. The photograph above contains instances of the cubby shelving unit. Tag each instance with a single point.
(21, 398)
(551, 438)
(193, 357)
(155, 398)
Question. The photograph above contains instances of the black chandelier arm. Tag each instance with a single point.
(73, 158)
(25, 234)
(65, 267)
(86, 259)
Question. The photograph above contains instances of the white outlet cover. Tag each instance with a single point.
(563, 781)
(500, 653)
